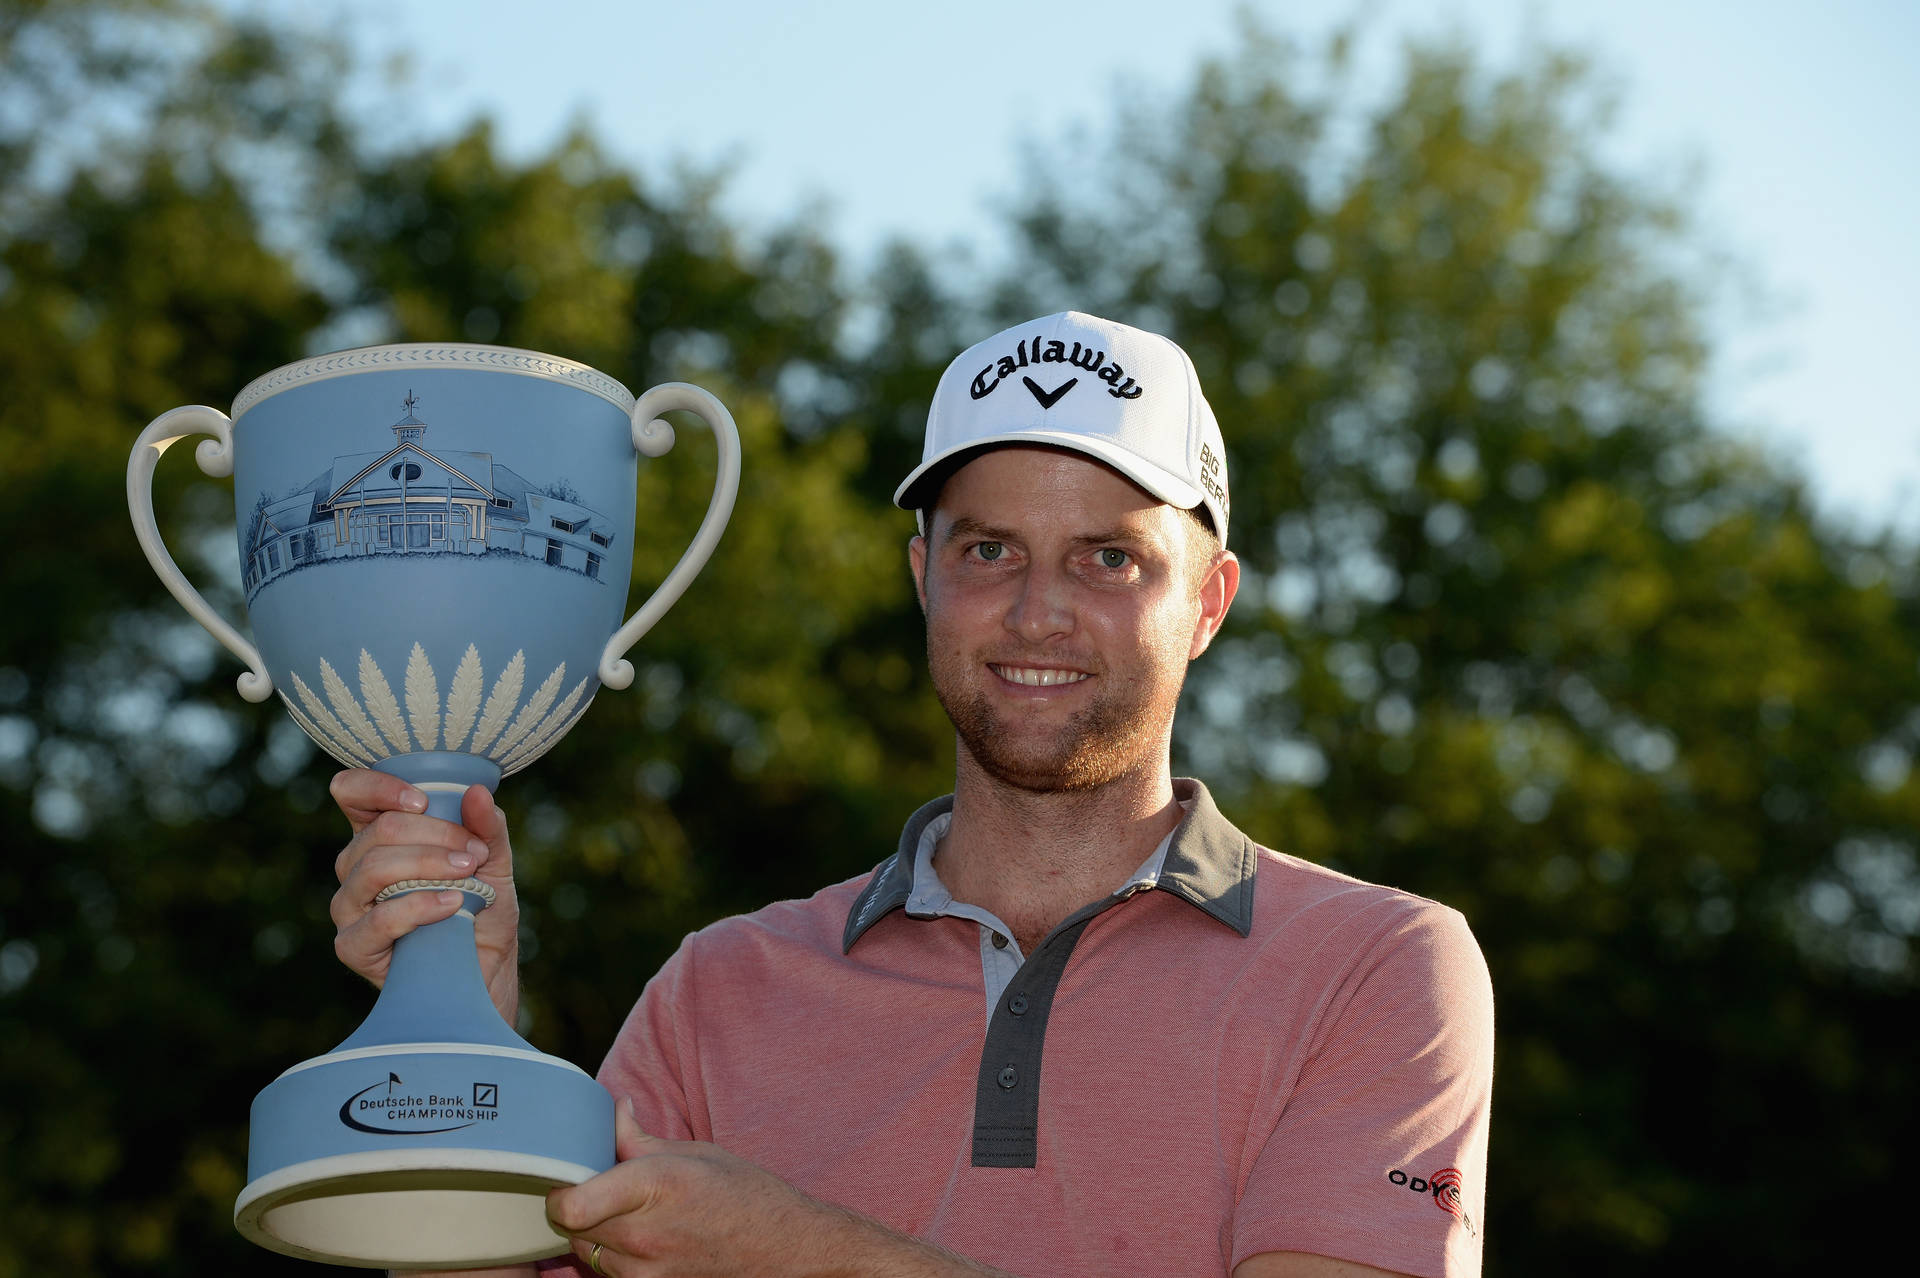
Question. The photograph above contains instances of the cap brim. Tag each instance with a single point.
(1161, 483)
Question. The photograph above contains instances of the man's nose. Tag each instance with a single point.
(1043, 609)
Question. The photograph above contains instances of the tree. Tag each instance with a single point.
(133, 276)
(1521, 632)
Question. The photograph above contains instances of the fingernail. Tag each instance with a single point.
(460, 860)
(448, 897)
(413, 799)
(476, 847)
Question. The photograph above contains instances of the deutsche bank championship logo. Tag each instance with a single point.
(1444, 1186)
(401, 1111)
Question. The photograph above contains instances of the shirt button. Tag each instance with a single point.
(1017, 1005)
(1009, 1077)
(999, 941)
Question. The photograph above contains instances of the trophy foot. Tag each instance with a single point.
(420, 1155)
(430, 1209)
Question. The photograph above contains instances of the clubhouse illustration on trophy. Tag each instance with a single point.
(435, 544)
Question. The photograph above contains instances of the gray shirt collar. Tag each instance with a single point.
(1206, 862)
(929, 897)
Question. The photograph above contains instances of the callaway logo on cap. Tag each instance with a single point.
(1121, 395)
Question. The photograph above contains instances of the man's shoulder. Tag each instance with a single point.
(1275, 896)
(1287, 878)
(805, 924)
(1302, 904)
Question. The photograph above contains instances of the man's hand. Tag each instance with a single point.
(688, 1209)
(394, 839)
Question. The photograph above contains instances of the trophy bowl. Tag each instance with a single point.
(435, 543)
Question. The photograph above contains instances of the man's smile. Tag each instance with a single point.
(1038, 676)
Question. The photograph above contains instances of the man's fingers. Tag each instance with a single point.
(366, 946)
(383, 867)
(631, 1186)
(434, 849)
(480, 814)
(583, 1249)
(613, 1262)
(576, 1209)
(363, 794)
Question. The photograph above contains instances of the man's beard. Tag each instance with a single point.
(1094, 747)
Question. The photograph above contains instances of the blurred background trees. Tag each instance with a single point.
(1520, 630)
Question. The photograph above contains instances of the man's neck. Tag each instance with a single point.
(1034, 858)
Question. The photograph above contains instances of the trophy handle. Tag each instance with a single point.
(216, 459)
(654, 437)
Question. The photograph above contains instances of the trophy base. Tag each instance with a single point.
(412, 1209)
(421, 1155)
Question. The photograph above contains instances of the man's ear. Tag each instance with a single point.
(917, 561)
(1217, 590)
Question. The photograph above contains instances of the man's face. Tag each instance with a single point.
(1063, 604)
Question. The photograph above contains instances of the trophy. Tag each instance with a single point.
(435, 544)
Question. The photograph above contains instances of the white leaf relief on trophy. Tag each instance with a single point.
(332, 735)
(530, 713)
(423, 699)
(320, 738)
(350, 712)
(562, 731)
(463, 698)
(543, 736)
(510, 734)
(380, 700)
(500, 703)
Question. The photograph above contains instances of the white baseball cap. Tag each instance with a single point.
(1121, 395)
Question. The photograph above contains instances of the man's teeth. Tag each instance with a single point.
(1033, 678)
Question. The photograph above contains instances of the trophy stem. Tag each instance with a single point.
(444, 776)
(434, 992)
(429, 1138)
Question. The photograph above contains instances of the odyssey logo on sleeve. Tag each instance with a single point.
(1444, 1188)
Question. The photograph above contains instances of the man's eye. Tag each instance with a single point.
(1113, 559)
(990, 550)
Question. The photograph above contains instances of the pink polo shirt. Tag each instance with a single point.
(1252, 1054)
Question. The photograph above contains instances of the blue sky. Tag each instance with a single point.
(909, 119)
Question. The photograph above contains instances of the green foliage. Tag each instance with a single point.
(1518, 631)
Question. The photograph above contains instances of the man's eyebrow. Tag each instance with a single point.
(967, 526)
(1121, 533)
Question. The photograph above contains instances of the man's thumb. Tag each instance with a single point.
(629, 1141)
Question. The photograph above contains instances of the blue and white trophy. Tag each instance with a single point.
(435, 544)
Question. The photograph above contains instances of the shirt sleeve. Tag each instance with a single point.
(650, 1063)
(1380, 1150)
(654, 1059)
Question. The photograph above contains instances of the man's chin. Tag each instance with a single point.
(1051, 771)
(1044, 781)
(1084, 754)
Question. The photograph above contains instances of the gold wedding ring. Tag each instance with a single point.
(593, 1261)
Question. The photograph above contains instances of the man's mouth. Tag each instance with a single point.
(1038, 676)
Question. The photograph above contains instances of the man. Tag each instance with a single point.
(1078, 1023)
